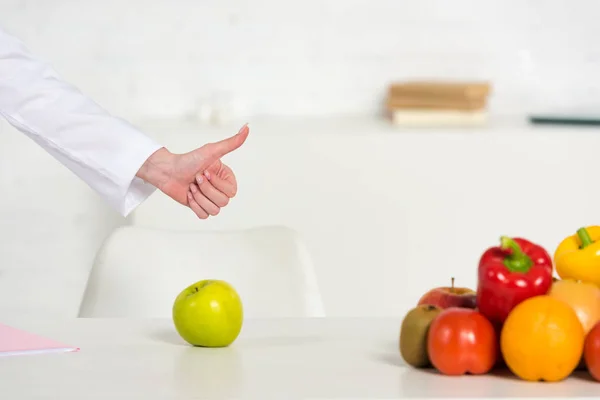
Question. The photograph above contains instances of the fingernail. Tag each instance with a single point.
(193, 188)
(199, 179)
(242, 128)
(207, 174)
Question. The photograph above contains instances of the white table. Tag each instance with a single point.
(272, 359)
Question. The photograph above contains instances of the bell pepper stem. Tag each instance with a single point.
(584, 237)
(517, 261)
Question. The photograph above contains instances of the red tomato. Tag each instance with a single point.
(591, 351)
(462, 341)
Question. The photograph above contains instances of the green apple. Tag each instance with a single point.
(208, 313)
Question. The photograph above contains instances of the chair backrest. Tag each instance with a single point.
(138, 272)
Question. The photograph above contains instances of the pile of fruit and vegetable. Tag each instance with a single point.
(540, 327)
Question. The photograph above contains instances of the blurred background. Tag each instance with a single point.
(163, 58)
(394, 136)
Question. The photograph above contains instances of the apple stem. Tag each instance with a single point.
(452, 284)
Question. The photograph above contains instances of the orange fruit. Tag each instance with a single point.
(542, 339)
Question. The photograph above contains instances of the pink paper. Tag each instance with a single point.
(17, 342)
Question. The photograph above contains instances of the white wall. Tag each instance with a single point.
(50, 227)
(161, 57)
(388, 214)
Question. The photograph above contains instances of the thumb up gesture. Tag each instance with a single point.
(197, 179)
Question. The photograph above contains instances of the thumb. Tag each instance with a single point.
(214, 151)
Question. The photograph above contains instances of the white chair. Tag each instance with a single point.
(138, 271)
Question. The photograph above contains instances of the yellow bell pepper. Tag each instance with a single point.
(577, 257)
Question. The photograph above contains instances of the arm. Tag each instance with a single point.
(107, 153)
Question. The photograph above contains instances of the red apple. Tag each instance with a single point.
(445, 297)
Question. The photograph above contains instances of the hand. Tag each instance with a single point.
(197, 179)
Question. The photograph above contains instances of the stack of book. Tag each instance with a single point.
(438, 103)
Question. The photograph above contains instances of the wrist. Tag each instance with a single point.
(157, 168)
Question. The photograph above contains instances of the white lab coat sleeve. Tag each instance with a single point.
(104, 151)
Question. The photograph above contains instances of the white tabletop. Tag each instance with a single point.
(272, 359)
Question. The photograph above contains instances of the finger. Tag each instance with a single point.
(219, 149)
(224, 186)
(203, 202)
(215, 196)
(195, 207)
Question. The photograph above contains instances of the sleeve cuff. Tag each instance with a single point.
(138, 190)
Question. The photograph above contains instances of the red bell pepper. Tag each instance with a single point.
(510, 273)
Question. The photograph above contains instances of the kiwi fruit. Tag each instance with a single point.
(413, 335)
